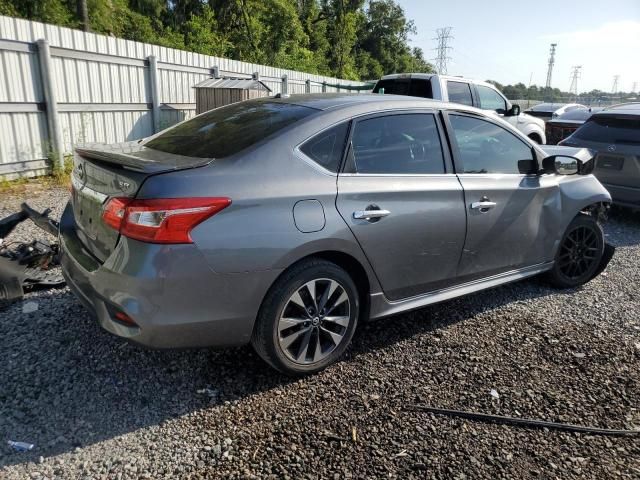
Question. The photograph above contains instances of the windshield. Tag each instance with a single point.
(228, 130)
(610, 130)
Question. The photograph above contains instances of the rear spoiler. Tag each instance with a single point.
(136, 157)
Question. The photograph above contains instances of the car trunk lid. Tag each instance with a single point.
(101, 172)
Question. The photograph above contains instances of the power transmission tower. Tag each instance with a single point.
(614, 89)
(552, 61)
(575, 75)
(635, 87)
(444, 35)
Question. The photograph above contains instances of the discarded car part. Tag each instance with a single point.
(25, 267)
(7, 224)
(11, 278)
(42, 220)
(524, 422)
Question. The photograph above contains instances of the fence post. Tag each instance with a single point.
(307, 86)
(324, 87)
(155, 92)
(285, 85)
(215, 71)
(53, 121)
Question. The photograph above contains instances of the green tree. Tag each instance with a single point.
(345, 38)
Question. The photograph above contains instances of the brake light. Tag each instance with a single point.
(165, 220)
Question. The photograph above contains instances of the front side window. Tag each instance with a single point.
(459, 92)
(326, 148)
(228, 130)
(485, 147)
(491, 100)
(397, 144)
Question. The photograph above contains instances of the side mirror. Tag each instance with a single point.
(514, 111)
(528, 167)
(562, 165)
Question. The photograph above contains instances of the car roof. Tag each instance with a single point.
(580, 114)
(329, 101)
(632, 108)
(426, 76)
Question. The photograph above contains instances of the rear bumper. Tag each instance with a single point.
(170, 292)
(624, 196)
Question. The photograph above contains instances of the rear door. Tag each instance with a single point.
(512, 221)
(401, 200)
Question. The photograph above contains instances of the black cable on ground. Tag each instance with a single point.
(524, 422)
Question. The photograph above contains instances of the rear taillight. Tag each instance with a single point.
(166, 220)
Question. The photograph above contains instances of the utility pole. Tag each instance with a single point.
(444, 35)
(83, 13)
(575, 75)
(552, 61)
(614, 89)
(634, 89)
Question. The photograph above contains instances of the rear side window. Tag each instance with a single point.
(228, 130)
(610, 130)
(397, 144)
(326, 148)
(459, 92)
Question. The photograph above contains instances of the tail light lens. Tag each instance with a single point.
(166, 220)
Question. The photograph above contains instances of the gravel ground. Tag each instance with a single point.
(97, 407)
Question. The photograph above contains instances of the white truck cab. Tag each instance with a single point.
(465, 91)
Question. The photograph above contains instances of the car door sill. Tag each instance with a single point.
(382, 307)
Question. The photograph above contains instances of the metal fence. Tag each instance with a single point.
(60, 87)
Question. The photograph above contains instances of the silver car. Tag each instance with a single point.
(284, 221)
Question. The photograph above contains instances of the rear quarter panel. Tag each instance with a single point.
(257, 232)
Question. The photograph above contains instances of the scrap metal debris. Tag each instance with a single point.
(30, 266)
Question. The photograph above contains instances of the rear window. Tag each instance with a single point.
(326, 148)
(228, 130)
(414, 87)
(610, 130)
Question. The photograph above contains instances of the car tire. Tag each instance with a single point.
(307, 318)
(579, 254)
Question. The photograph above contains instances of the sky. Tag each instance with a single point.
(508, 40)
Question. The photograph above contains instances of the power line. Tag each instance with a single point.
(614, 89)
(552, 61)
(444, 35)
(575, 75)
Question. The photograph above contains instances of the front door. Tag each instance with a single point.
(403, 203)
(512, 221)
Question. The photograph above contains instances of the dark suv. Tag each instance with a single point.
(615, 134)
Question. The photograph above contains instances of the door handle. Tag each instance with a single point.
(484, 205)
(370, 214)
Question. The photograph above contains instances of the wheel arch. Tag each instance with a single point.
(347, 262)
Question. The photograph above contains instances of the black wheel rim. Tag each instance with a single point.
(579, 252)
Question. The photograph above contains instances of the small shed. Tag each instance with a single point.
(217, 92)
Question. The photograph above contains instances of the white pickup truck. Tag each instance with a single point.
(462, 90)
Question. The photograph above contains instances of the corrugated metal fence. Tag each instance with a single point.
(60, 87)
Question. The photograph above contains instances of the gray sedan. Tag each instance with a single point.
(284, 221)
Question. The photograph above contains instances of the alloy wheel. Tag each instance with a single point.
(578, 252)
(314, 321)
